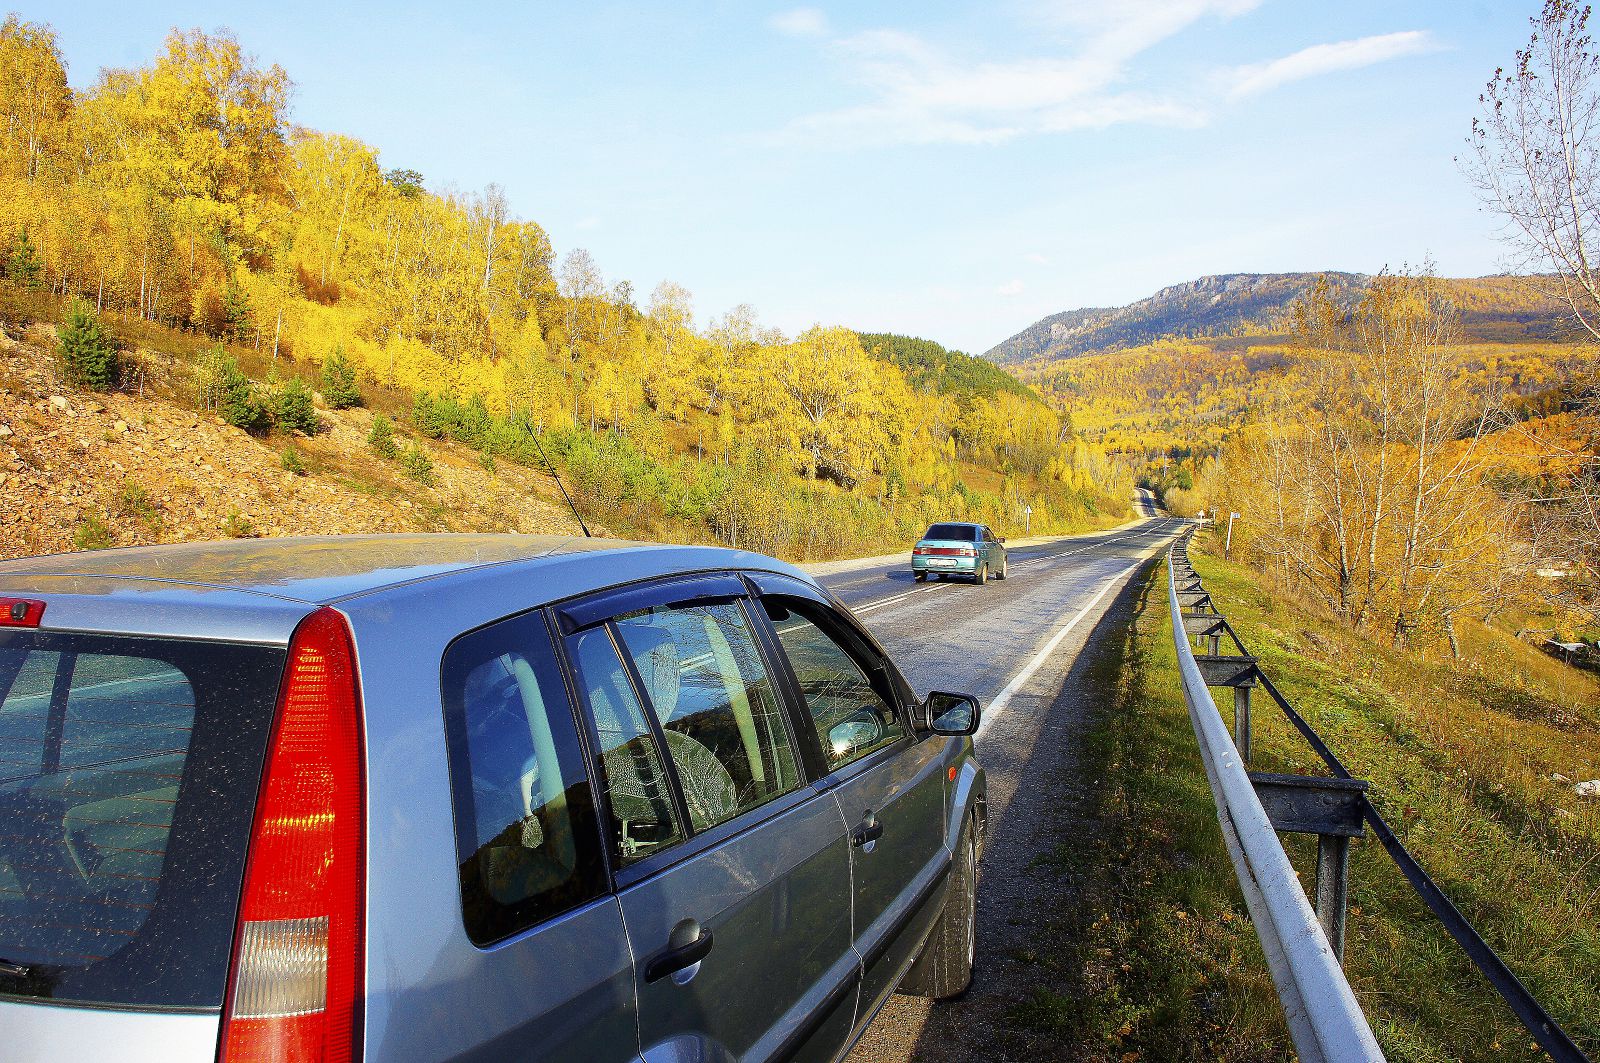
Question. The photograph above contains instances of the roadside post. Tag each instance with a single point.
(1227, 549)
(1027, 520)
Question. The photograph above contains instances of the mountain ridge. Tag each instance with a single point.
(1222, 303)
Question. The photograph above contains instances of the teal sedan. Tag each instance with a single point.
(959, 549)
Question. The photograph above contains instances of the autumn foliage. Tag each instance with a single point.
(181, 194)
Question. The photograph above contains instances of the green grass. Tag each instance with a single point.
(1154, 959)
(1461, 758)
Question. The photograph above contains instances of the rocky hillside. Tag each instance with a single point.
(1492, 307)
(81, 470)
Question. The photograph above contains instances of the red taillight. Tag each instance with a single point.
(295, 990)
(947, 551)
(20, 612)
(918, 551)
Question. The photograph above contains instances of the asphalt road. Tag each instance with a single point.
(1013, 644)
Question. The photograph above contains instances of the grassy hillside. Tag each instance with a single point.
(1473, 763)
(155, 461)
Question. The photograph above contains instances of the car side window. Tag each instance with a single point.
(854, 715)
(644, 818)
(704, 678)
(526, 830)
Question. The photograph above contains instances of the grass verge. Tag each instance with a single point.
(1155, 959)
(1472, 762)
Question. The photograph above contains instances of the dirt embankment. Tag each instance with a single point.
(81, 469)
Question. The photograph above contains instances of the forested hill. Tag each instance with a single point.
(1491, 307)
(930, 366)
(169, 230)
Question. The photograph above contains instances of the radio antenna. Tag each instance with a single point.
(557, 478)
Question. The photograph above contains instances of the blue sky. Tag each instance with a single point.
(948, 170)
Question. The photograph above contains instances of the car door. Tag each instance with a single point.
(733, 870)
(550, 974)
(996, 550)
(890, 786)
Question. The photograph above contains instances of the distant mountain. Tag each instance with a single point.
(1498, 307)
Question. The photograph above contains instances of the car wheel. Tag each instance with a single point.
(981, 576)
(944, 969)
(1002, 573)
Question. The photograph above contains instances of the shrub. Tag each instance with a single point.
(92, 533)
(293, 409)
(88, 351)
(238, 526)
(135, 502)
(293, 462)
(381, 438)
(339, 388)
(418, 465)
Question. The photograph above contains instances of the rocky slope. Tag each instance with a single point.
(80, 469)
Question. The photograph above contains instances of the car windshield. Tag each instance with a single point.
(961, 533)
(128, 773)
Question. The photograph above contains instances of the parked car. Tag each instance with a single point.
(959, 549)
(465, 798)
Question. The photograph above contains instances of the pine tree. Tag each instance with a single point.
(381, 438)
(88, 351)
(293, 409)
(339, 388)
(22, 263)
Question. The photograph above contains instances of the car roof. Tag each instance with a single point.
(957, 523)
(317, 570)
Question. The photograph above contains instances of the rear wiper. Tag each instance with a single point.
(15, 970)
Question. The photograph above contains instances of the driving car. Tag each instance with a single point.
(958, 548)
(466, 797)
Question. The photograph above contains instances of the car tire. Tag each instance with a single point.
(944, 970)
(981, 576)
(1002, 573)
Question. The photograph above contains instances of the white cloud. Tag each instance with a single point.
(917, 92)
(920, 93)
(1036, 258)
(800, 22)
(1328, 59)
(1010, 289)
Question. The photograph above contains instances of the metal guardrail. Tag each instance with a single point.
(1277, 905)
(1325, 1021)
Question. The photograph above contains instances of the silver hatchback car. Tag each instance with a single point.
(465, 798)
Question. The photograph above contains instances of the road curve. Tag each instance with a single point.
(1011, 643)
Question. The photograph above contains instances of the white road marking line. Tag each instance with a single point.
(1003, 699)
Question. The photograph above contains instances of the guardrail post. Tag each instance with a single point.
(1241, 719)
(1333, 888)
(1330, 808)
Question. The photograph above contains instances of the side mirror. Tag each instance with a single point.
(1001, 539)
(952, 715)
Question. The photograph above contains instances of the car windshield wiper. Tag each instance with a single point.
(15, 970)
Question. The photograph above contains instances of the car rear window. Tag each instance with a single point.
(128, 774)
(961, 533)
